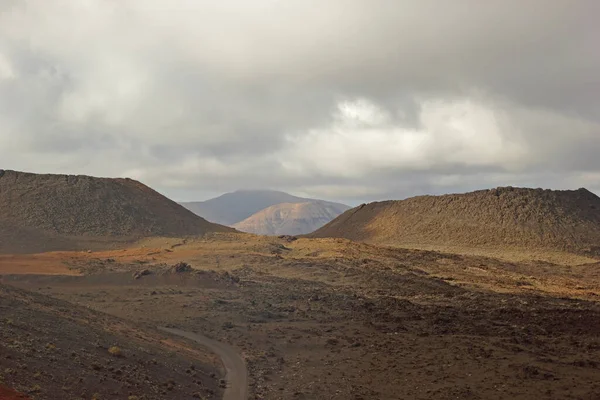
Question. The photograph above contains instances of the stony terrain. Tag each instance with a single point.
(505, 219)
(291, 218)
(333, 319)
(51, 349)
(56, 212)
(311, 318)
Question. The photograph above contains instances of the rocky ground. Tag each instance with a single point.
(331, 319)
(51, 349)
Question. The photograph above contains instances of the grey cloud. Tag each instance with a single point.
(198, 97)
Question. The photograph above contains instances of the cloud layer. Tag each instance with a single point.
(347, 99)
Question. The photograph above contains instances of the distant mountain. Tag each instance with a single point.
(235, 207)
(60, 212)
(291, 218)
(502, 218)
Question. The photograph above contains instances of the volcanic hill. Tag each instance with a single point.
(291, 218)
(232, 208)
(64, 212)
(502, 218)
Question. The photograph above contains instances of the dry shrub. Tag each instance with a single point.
(115, 351)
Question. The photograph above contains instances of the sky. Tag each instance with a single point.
(346, 100)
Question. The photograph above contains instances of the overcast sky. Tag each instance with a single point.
(348, 100)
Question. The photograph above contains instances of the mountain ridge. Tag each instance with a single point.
(234, 207)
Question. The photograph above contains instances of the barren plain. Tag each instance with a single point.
(331, 318)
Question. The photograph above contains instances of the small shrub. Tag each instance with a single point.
(35, 389)
(115, 351)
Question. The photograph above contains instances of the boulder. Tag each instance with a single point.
(139, 274)
(181, 267)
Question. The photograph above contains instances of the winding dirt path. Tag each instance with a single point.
(236, 374)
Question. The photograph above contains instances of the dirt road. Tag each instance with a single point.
(235, 367)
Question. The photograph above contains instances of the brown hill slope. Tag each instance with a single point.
(498, 218)
(52, 349)
(291, 218)
(59, 212)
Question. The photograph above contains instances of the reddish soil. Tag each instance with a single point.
(45, 264)
(10, 394)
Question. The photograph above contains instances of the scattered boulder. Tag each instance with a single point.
(230, 277)
(288, 238)
(277, 248)
(181, 267)
(139, 274)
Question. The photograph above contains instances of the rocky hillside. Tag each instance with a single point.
(52, 349)
(291, 218)
(497, 218)
(47, 212)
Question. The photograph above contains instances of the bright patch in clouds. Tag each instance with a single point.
(363, 138)
(6, 71)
